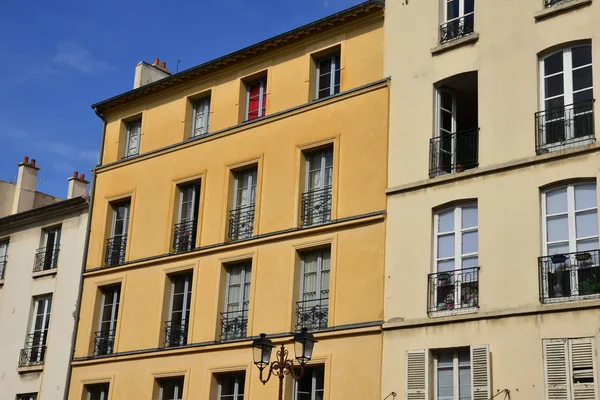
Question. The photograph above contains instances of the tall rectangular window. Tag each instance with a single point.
(237, 299)
(200, 116)
(35, 344)
(328, 75)
(176, 331)
(3, 257)
(107, 324)
(185, 232)
(567, 99)
(132, 138)
(570, 267)
(98, 391)
(256, 99)
(241, 217)
(312, 384)
(459, 19)
(316, 199)
(454, 283)
(453, 375)
(47, 255)
(231, 386)
(117, 242)
(313, 307)
(170, 389)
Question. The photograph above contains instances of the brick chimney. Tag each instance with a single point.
(147, 73)
(77, 185)
(25, 188)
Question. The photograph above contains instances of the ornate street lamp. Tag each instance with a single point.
(262, 348)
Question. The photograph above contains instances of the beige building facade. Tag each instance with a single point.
(41, 250)
(492, 264)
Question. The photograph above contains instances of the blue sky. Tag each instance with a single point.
(61, 56)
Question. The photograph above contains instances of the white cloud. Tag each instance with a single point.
(72, 55)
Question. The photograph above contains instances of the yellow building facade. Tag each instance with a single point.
(244, 195)
(492, 278)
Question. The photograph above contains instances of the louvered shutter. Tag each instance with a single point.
(417, 375)
(480, 372)
(582, 352)
(556, 369)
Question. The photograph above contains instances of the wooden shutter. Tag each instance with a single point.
(417, 374)
(480, 372)
(582, 354)
(556, 369)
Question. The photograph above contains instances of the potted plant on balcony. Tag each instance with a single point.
(558, 258)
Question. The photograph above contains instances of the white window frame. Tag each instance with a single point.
(3, 257)
(114, 317)
(200, 106)
(252, 183)
(455, 371)
(313, 386)
(125, 229)
(319, 272)
(195, 188)
(46, 315)
(461, 10)
(439, 129)
(134, 128)
(176, 391)
(261, 97)
(331, 57)
(187, 293)
(102, 387)
(246, 268)
(322, 154)
(236, 387)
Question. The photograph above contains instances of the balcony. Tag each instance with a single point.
(454, 152)
(104, 342)
(234, 325)
(453, 290)
(46, 258)
(176, 334)
(184, 236)
(569, 277)
(35, 350)
(312, 314)
(316, 206)
(564, 127)
(550, 3)
(241, 223)
(3, 261)
(457, 28)
(115, 250)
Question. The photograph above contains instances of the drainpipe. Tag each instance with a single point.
(85, 254)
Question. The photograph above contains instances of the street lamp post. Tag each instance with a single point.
(262, 348)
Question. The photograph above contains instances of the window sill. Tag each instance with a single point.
(48, 272)
(34, 368)
(571, 299)
(463, 41)
(569, 5)
(457, 311)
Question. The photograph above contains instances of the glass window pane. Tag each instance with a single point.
(554, 85)
(446, 101)
(585, 196)
(445, 383)
(582, 78)
(469, 217)
(452, 9)
(470, 262)
(445, 246)
(469, 6)
(582, 55)
(558, 228)
(584, 95)
(555, 104)
(446, 221)
(588, 244)
(227, 385)
(469, 242)
(556, 201)
(586, 223)
(553, 64)
(445, 266)
(558, 248)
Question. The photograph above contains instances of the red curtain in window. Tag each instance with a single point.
(253, 101)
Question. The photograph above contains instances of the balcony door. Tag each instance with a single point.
(317, 187)
(109, 313)
(51, 243)
(314, 289)
(446, 131)
(39, 329)
(179, 310)
(244, 200)
(117, 243)
(185, 229)
(237, 300)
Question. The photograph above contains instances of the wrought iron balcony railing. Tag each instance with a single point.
(184, 236)
(569, 277)
(34, 352)
(234, 325)
(550, 3)
(115, 250)
(46, 258)
(454, 152)
(453, 290)
(241, 222)
(104, 342)
(312, 314)
(316, 206)
(176, 333)
(564, 127)
(457, 28)
(3, 262)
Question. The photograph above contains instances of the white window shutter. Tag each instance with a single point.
(556, 369)
(583, 354)
(480, 372)
(417, 375)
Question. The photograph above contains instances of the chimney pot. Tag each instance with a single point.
(156, 61)
(82, 177)
(163, 65)
(26, 160)
(33, 162)
(75, 174)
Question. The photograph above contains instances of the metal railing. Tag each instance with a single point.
(312, 314)
(176, 333)
(46, 258)
(569, 277)
(115, 250)
(34, 352)
(234, 325)
(454, 152)
(316, 206)
(241, 222)
(550, 3)
(457, 27)
(184, 236)
(3, 262)
(453, 290)
(104, 342)
(563, 127)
